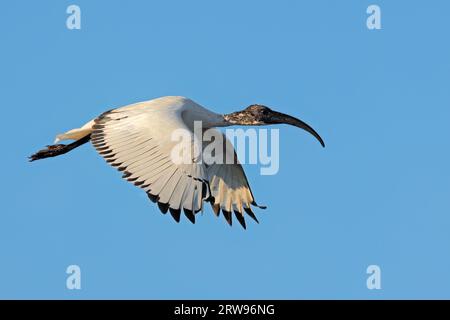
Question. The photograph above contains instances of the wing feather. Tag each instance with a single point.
(129, 139)
(230, 188)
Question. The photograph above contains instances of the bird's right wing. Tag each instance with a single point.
(138, 141)
(229, 186)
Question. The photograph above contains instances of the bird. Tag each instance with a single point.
(137, 140)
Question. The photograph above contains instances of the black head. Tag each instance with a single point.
(257, 115)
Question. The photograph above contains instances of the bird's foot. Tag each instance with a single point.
(50, 151)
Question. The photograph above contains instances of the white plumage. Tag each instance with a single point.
(137, 140)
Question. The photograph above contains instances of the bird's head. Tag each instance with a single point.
(257, 115)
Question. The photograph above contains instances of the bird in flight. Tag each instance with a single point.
(137, 140)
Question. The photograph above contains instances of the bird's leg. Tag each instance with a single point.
(50, 151)
(58, 149)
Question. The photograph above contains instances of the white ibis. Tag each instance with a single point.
(136, 139)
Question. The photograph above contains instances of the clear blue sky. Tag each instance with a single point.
(379, 193)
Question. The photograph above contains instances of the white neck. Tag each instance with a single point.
(209, 119)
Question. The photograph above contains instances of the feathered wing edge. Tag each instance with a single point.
(193, 186)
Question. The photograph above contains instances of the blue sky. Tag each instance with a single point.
(379, 193)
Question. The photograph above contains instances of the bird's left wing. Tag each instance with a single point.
(139, 142)
(229, 186)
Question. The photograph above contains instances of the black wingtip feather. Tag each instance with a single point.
(228, 217)
(251, 214)
(152, 197)
(176, 214)
(163, 207)
(190, 215)
(240, 218)
(138, 183)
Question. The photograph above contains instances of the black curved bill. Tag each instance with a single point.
(279, 117)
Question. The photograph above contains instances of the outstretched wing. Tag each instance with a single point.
(138, 141)
(229, 186)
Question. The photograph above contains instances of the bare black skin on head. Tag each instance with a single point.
(258, 115)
